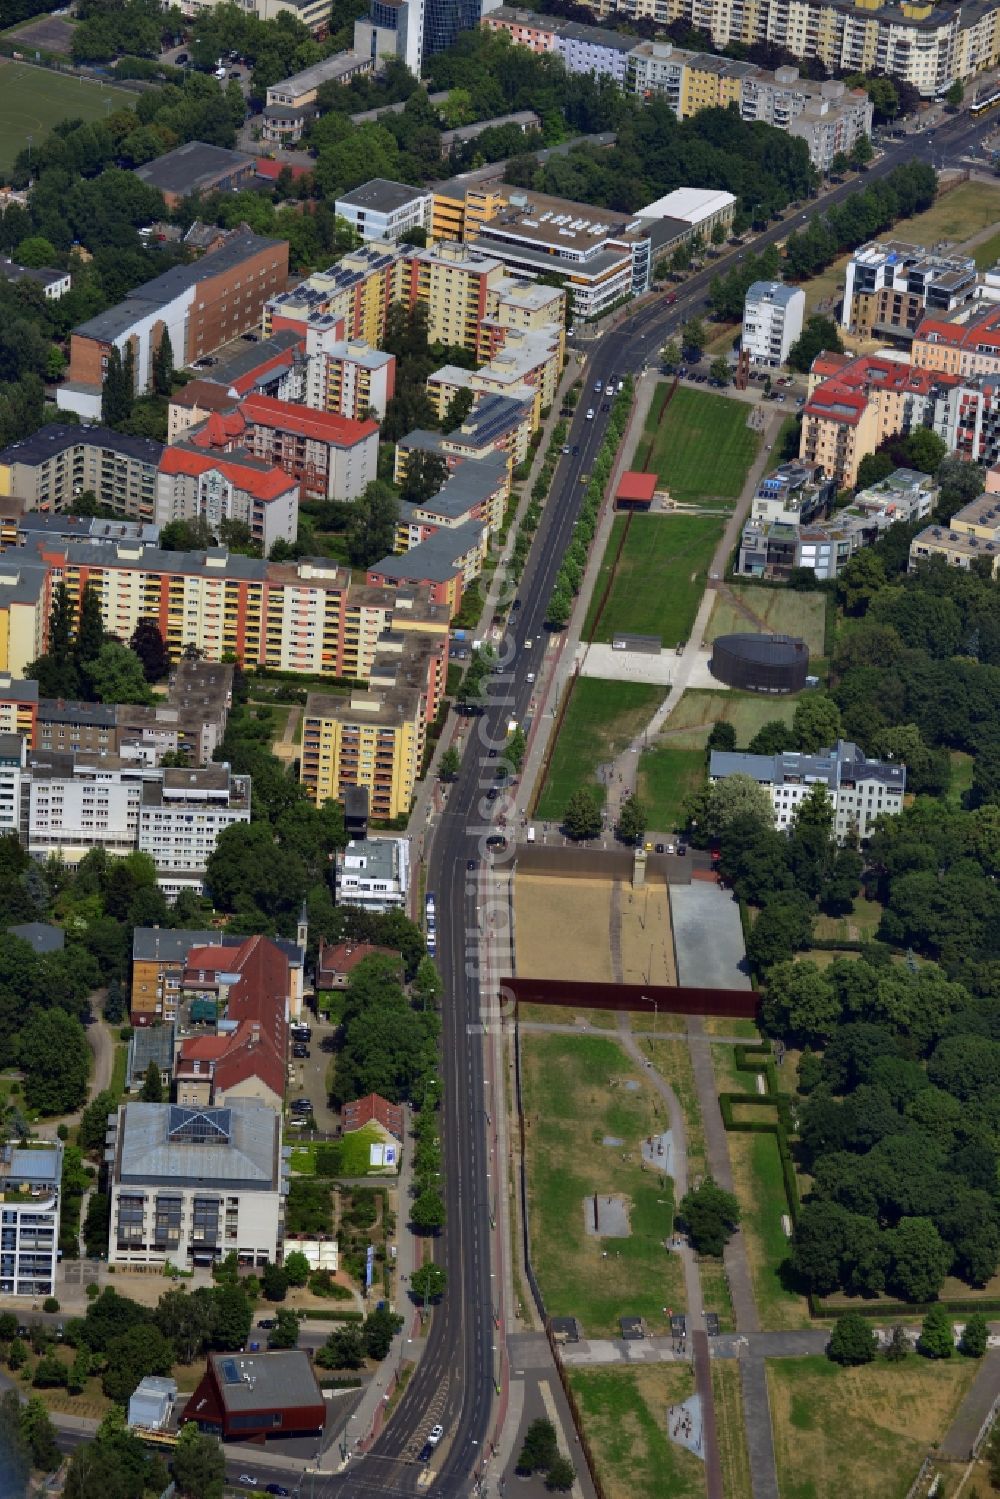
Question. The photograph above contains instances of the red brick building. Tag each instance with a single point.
(253, 1396)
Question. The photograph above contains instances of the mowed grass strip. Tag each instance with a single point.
(701, 449)
(730, 1430)
(660, 577)
(700, 709)
(625, 1418)
(777, 613)
(575, 1096)
(760, 1189)
(32, 100)
(601, 719)
(862, 1432)
(667, 777)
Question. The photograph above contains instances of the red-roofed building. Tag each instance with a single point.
(855, 404)
(226, 484)
(373, 1108)
(635, 491)
(270, 170)
(336, 962)
(965, 345)
(246, 1059)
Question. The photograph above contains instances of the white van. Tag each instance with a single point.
(531, 835)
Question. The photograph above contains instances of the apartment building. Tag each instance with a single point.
(472, 492)
(525, 368)
(828, 116)
(971, 536)
(855, 403)
(890, 286)
(191, 1185)
(386, 211)
(514, 302)
(162, 966)
(30, 1187)
(245, 1056)
(13, 777)
(57, 463)
(860, 790)
(795, 493)
(445, 562)
(594, 50)
(773, 315)
(274, 366)
(966, 343)
(327, 456)
(452, 281)
(357, 291)
(290, 103)
(201, 306)
(227, 486)
(374, 873)
(346, 375)
(18, 706)
(24, 611)
(72, 802)
(312, 13)
(528, 28)
(372, 738)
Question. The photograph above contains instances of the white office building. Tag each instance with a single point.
(374, 873)
(13, 757)
(860, 789)
(773, 315)
(191, 1185)
(384, 210)
(30, 1182)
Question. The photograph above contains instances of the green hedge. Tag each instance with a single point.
(327, 1314)
(818, 1308)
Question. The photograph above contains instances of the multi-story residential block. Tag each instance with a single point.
(216, 487)
(326, 455)
(445, 562)
(890, 286)
(57, 463)
(794, 494)
(474, 491)
(201, 306)
(346, 375)
(856, 402)
(453, 282)
(499, 424)
(161, 961)
(312, 13)
(54, 284)
(18, 706)
(13, 776)
(72, 802)
(290, 103)
(30, 1188)
(192, 1185)
(386, 211)
(593, 49)
(772, 321)
(274, 366)
(860, 790)
(42, 525)
(528, 28)
(24, 611)
(828, 116)
(245, 1057)
(525, 368)
(374, 873)
(971, 536)
(965, 344)
(357, 291)
(373, 738)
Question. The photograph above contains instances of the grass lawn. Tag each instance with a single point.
(701, 446)
(32, 100)
(119, 1069)
(780, 612)
(276, 714)
(760, 1189)
(570, 1110)
(601, 719)
(691, 722)
(667, 777)
(725, 1025)
(987, 253)
(862, 1432)
(624, 1413)
(863, 922)
(730, 1430)
(961, 778)
(660, 577)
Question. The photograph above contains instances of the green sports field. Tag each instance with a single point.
(699, 445)
(32, 100)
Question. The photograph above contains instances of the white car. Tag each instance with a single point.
(435, 1434)
(528, 644)
(531, 676)
(590, 414)
(247, 1481)
(621, 385)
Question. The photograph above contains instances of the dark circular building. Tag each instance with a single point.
(760, 663)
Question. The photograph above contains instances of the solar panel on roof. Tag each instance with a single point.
(230, 1372)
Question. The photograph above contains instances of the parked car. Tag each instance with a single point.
(247, 1481)
(180, 59)
(435, 1434)
(267, 1323)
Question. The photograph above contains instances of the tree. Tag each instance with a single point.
(953, 98)
(898, 1346)
(428, 1281)
(199, 1464)
(816, 722)
(372, 533)
(296, 1268)
(233, 1317)
(117, 392)
(710, 1215)
(783, 927)
(163, 366)
(89, 630)
(426, 473)
(852, 1341)
(937, 1336)
(450, 764)
(694, 338)
(140, 1351)
(737, 796)
(428, 1212)
(40, 1435)
(152, 1085)
(925, 450)
(539, 1449)
(343, 1349)
(188, 1319)
(147, 643)
(839, 165)
(861, 152)
(118, 676)
(873, 468)
(381, 1326)
(719, 371)
(456, 411)
(285, 1333)
(722, 736)
(274, 1282)
(800, 1001)
(582, 818)
(561, 1474)
(670, 355)
(772, 738)
(632, 819)
(819, 336)
(975, 1336)
(427, 984)
(920, 1259)
(54, 1055)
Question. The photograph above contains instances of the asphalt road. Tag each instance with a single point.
(453, 1383)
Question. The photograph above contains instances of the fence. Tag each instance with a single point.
(650, 999)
